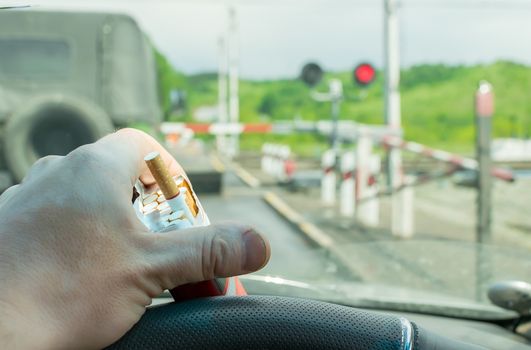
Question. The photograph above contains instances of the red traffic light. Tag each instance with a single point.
(364, 74)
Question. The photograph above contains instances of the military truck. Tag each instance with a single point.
(66, 79)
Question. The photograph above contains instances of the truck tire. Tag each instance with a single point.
(54, 124)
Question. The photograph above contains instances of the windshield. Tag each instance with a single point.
(34, 59)
(369, 267)
(383, 147)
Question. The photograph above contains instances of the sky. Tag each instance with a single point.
(277, 37)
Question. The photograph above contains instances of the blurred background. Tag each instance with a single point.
(445, 48)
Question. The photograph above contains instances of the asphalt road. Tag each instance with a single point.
(292, 256)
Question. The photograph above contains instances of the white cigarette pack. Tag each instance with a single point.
(160, 215)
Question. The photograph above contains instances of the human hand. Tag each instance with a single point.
(77, 267)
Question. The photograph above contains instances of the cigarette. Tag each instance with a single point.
(165, 211)
(177, 197)
(175, 225)
(183, 183)
(150, 199)
(152, 219)
(150, 207)
(179, 203)
(160, 172)
(163, 206)
(176, 215)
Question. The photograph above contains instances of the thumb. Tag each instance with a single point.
(203, 253)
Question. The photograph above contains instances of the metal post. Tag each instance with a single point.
(285, 153)
(222, 94)
(484, 105)
(265, 158)
(406, 197)
(336, 95)
(347, 204)
(392, 104)
(363, 159)
(276, 160)
(328, 180)
(363, 154)
(234, 102)
(372, 203)
(392, 82)
(484, 108)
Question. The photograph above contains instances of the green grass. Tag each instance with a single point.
(437, 103)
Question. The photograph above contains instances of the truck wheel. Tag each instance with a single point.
(47, 125)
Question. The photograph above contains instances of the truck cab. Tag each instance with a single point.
(66, 79)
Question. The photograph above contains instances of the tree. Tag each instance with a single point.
(268, 104)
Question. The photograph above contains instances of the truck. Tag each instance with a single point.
(67, 79)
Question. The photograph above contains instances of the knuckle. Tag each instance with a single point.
(215, 250)
(92, 166)
(127, 131)
(130, 132)
(83, 155)
(40, 166)
(89, 157)
(46, 160)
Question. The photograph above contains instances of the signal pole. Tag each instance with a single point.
(392, 107)
(336, 95)
(484, 106)
(234, 102)
(392, 81)
(222, 93)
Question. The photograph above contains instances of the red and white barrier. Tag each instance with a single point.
(328, 180)
(170, 128)
(387, 136)
(466, 163)
(347, 201)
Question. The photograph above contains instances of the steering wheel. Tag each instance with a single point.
(271, 322)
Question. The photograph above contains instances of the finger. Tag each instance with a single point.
(128, 147)
(204, 253)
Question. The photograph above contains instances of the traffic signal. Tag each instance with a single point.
(364, 74)
(311, 74)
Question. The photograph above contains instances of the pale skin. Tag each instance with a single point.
(77, 268)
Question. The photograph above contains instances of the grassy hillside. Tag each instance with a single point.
(437, 102)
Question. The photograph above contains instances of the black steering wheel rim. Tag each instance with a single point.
(266, 322)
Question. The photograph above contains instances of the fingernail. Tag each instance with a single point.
(256, 251)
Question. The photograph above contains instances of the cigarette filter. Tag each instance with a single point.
(161, 175)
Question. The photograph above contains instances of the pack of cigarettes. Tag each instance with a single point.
(160, 215)
(172, 205)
